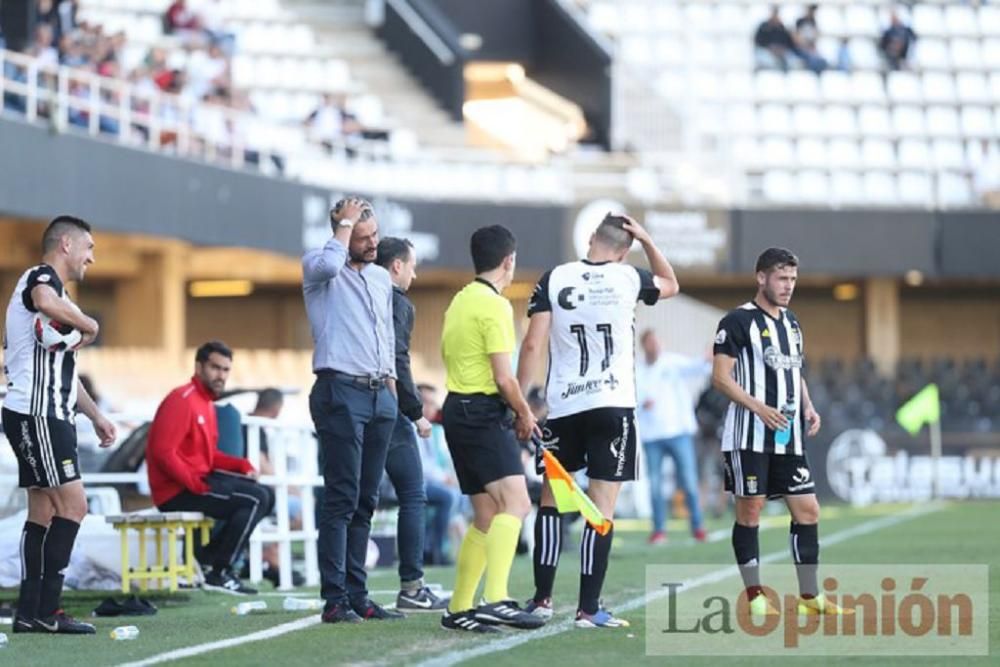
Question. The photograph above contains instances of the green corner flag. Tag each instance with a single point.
(923, 408)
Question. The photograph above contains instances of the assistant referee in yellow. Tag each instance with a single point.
(477, 342)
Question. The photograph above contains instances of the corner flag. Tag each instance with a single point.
(569, 497)
(923, 408)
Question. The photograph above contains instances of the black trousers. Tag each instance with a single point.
(354, 424)
(235, 499)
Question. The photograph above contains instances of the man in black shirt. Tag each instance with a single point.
(403, 461)
(773, 43)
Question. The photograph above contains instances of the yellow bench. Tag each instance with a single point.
(166, 523)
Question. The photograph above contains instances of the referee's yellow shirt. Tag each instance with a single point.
(479, 322)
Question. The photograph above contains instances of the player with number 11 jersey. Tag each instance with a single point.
(586, 312)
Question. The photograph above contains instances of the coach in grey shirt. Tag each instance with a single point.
(353, 404)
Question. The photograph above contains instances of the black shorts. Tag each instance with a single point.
(750, 473)
(601, 440)
(45, 449)
(480, 432)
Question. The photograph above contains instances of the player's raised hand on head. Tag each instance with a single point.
(636, 230)
(350, 209)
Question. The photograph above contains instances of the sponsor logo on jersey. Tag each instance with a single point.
(781, 362)
(566, 298)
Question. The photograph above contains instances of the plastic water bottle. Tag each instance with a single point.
(783, 436)
(3, 640)
(302, 604)
(244, 608)
(125, 632)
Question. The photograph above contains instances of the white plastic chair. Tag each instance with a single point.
(874, 121)
(807, 120)
(811, 153)
(836, 86)
(927, 20)
(802, 86)
(813, 186)
(880, 188)
(774, 119)
(903, 87)
(867, 87)
(942, 121)
(877, 154)
(938, 87)
(840, 120)
(844, 153)
(965, 54)
(914, 154)
(976, 122)
(908, 121)
(779, 186)
(953, 190)
(846, 187)
(947, 154)
(961, 20)
(930, 54)
(915, 188)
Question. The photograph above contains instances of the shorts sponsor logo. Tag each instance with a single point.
(619, 447)
(69, 468)
(927, 610)
(801, 475)
(26, 446)
(550, 441)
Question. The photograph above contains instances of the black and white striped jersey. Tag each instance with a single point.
(39, 382)
(769, 359)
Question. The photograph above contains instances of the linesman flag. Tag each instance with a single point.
(923, 408)
(569, 497)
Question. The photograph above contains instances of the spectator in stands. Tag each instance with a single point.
(44, 48)
(896, 41)
(806, 36)
(667, 425)
(440, 483)
(213, 23)
(773, 43)
(188, 473)
(208, 71)
(331, 125)
(845, 63)
(181, 21)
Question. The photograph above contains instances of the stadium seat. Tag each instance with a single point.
(635, 16)
(780, 186)
(836, 86)
(732, 19)
(811, 153)
(844, 153)
(807, 120)
(880, 188)
(739, 86)
(669, 52)
(915, 188)
(775, 118)
(839, 121)
(965, 54)
(903, 87)
(776, 152)
(947, 154)
(942, 121)
(846, 187)
(908, 121)
(637, 50)
(864, 54)
(700, 17)
(665, 17)
(953, 190)
(913, 154)
(706, 87)
(930, 54)
(938, 87)
(991, 54)
(771, 86)
(877, 154)
(867, 87)
(874, 121)
(927, 20)
(802, 86)
(605, 17)
(860, 19)
(989, 21)
(961, 20)
(741, 119)
(976, 122)
(813, 187)
(831, 17)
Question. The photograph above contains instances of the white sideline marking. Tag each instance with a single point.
(276, 631)
(508, 643)
(455, 657)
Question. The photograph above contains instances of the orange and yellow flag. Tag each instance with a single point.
(569, 497)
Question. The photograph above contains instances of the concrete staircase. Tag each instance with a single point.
(342, 32)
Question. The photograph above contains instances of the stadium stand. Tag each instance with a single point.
(858, 135)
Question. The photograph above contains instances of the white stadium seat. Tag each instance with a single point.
(976, 122)
(831, 17)
(953, 190)
(774, 119)
(864, 53)
(840, 120)
(942, 122)
(741, 119)
(991, 53)
(771, 85)
(779, 186)
(814, 187)
(915, 188)
(989, 21)
(836, 86)
(961, 20)
(947, 154)
(930, 54)
(914, 154)
(874, 121)
(738, 86)
(604, 17)
(908, 121)
(927, 20)
(846, 187)
(807, 119)
(965, 54)
(877, 154)
(844, 153)
(802, 86)
(880, 188)
(867, 87)
(938, 87)
(903, 87)
(860, 19)
(811, 153)
(776, 152)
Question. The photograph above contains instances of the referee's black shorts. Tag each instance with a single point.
(479, 429)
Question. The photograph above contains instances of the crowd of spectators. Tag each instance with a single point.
(777, 47)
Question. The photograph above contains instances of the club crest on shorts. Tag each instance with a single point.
(68, 468)
(752, 485)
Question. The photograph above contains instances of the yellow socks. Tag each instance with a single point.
(469, 569)
(501, 545)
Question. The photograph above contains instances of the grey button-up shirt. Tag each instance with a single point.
(350, 313)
